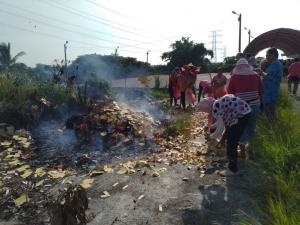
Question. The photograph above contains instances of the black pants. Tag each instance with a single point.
(233, 137)
(200, 93)
(293, 80)
(182, 99)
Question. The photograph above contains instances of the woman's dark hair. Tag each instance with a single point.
(273, 51)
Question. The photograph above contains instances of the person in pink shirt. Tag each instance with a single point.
(203, 86)
(294, 76)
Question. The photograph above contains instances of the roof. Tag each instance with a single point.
(285, 39)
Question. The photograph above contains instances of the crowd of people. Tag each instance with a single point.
(234, 103)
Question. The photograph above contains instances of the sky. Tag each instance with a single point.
(133, 27)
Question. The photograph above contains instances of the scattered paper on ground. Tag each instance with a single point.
(87, 183)
(21, 200)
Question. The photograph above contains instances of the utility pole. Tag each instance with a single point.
(224, 52)
(249, 34)
(214, 43)
(66, 63)
(240, 27)
(147, 53)
(116, 51)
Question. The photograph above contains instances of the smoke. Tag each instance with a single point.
(43, 72)
(140, 99)
(106, 67)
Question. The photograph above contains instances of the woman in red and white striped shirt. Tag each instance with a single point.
(246, 84)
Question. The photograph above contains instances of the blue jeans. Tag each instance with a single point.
(250, 127)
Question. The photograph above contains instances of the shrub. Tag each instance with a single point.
(53, 92)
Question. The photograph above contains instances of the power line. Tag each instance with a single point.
(62, 21)
(113, 11)
(61, 38)
(79, 13)
(71, 31)
(186, 33)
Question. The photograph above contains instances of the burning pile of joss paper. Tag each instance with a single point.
(118, 123)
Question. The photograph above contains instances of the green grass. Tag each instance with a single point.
(160, 94)
(179, 125)
(277, 152)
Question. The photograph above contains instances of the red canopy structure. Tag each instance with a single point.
(285, 39)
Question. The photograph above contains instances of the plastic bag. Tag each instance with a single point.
(191, 95)
(217, 134)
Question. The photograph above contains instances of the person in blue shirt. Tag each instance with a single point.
(271, 83)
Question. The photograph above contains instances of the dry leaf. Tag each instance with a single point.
(15, 163)
(87, 183)
(155, 174)
(122, 170)
(25, 144)
(55, 174)
(39, 172)
(5, 143)
(105, 194)
(22, 168)
(163, 169)
(41, 182)
(96, 173)
(21, 200)
(26, 174)
(107, 169)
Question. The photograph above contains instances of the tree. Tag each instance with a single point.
(6, 59)
(185, 51)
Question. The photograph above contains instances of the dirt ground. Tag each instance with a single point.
(180, 193)
(178, 196)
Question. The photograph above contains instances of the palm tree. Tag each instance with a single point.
(6, 59)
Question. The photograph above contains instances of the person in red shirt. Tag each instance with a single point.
(246, 84)
(174, 91)
(294, 76)
(218, 83)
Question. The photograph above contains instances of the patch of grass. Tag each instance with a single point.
(55, 93)
(179, 125)
(160, 94)
(277, 152)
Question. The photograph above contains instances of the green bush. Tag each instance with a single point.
(54, 92)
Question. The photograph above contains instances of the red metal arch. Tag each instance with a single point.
(285, 39)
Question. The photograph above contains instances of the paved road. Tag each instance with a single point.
(134, 83)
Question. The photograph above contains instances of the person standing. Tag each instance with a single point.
(246, 84)
(271, 83)
(294, 76)
(173, 86)
(219, 84)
